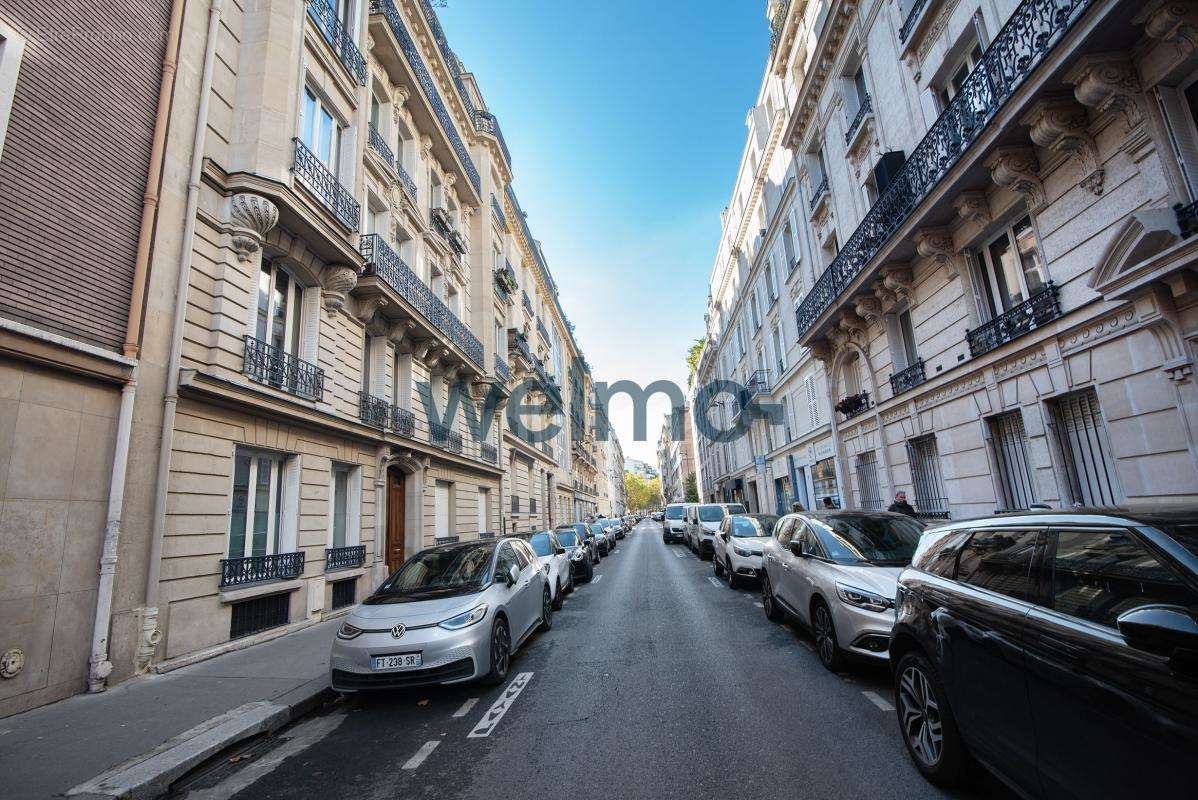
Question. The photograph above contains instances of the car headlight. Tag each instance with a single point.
(465, 619)
(347, 631)
(740, 551)
(863, 599)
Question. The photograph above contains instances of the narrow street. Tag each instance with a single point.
(654, 682)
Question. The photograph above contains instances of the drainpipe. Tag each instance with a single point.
(150, 632)
(99, 665)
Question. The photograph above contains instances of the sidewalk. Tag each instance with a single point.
(50, 750)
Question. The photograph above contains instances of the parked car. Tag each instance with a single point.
(603, 542)
(556, 562)
(836, 573)
(614, 527)
(673, 526)
(451, 613)
(738, 545)
(588, 537)
(657, 516)
(1060, 649)
(703, 520)
(582, 561)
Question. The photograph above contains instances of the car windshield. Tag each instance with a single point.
(582, 529)
(755, 526)
(439, 572)
(607, 523)
(736, 508)
(567, 537)
(711, 513)
(597, 529)
(674, 512)
(885, 541)
(541, 544)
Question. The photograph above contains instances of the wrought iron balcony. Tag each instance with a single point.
(443, 437)
(411, 52)
(505, 279)
(268, 364)
(527, 304)
(821, 189)
(379, 145)
(521, 348)
(854, 404)
(458, 242)
(777, 23)
(866, 107)
(344, 557)
(541, 329)
(438, 218)
(907, 379)
(451, 60)
(497, 210)
(1039, 309)
(255, 569)
(758, 382)
(485, 122)
(489, 452)
(325, 185)
(1018, 49)
(909, 22)
(501, 369)
(405, 180)
(339, 39)
(384, 262)
(931, 508)
(1187, 219)
(403, 422)
(372, 410)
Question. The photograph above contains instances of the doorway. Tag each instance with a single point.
(395, 518)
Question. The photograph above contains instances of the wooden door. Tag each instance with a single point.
(395, 518)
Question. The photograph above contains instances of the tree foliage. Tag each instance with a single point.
(642, 494)
(692, 358)
(691, 488)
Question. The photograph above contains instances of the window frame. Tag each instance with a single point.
(321, 105)
(989, 295)
(294, 322)
(276, 500)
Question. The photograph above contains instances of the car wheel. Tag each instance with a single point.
(546, 610)
(772, 611)
(501, 652)
(559, 596)
(733, 578)
(718, 567)
(927, 723)
(570, 585)
(824, 631)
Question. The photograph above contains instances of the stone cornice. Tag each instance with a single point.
(835, 26)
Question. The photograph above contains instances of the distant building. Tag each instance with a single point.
(638, 467)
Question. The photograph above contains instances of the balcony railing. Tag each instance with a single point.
(268, 364)
(379, 145)
(458, 242)
(384, 262)
(344, 557)
(505, 279)
(403, 422)
(501, 368)
(372, 410)
(438, 218)
(497, 210)
(548, 450)
(777, 23)
(405, 180)
(411, 52)
(443, 437)
(451, 60)
(820, 190)
(487, 123)
(254, 569)
(865, 108)
(758, 382)
(489, 452)
(1030, 33)
(339, 39)
(1039, 309)
(541, 329)
(1187, 219)
(522, 348)
(907, 379)
(932, 508)
(527, 303)
(909, 22)
(325, 185)
(854, 405)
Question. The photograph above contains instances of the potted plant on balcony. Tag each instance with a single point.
(853, 404)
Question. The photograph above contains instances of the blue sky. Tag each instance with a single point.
(625, 119)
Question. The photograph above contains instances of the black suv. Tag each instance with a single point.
(1058, 649)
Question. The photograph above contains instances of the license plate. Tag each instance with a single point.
(405, 661)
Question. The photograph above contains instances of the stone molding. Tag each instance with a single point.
(252, 217)
(1017, 169)
(973, 205)
(337, 282)
(1108, 82)
(1060, 124)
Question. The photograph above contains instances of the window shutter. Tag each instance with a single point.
(289, 516)
(353, 508)
(812, 400)
(310, 319)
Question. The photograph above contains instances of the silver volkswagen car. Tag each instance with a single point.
(451, 613)
(837, 573)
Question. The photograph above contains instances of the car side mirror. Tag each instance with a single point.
(1159, 629)
(560, 550)
(796, 547)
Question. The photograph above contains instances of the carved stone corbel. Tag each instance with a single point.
(973, 205)
(899, 281)
(1061, 124)
(1175, 22)
(401, 95)
(252, 216)
(1017, 168)
(869, 308)
(426, 145)
(400, 332)
(370, 306)
(337, 282)
(886, 297)
(1108, 82)
(821, 351)
(434, 356)
(852, 325)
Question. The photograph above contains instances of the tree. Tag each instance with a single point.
(641, 494)
(692, 358)
(691, 487)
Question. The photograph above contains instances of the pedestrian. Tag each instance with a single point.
(900, 504)
(796, 507)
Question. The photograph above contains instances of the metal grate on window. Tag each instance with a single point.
(924, 457)
(1009, 442)
(259, 614)
(345, 593)
(1089, 468)
(867, 481)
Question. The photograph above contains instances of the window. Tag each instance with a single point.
(753, 306)
(403, 381)
(506, 559)
(441, 510)
(1098, 575)
(366, 346)
(823, 479)
(1009, 443)
(924, 458)
(771, 282)
(340, 504)
(405, 149)
(484, 510)
(258, 500)
(867, 481)
(785, 530)
(1000, 561)
(788, 247)
(779, 351)
(320, 131)
(279, 306)
(1076, 420)
(1011, 269)
(786, 418)
(12, 46)
(906, 333)
(958, 73)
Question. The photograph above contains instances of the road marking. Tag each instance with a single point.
(878, 700)
(807, 644)
(715, 582)
(680, 554)
(500, 707)
(748, 596)
(758, 604)
(465, 709)
(424, 752)
(597, 578)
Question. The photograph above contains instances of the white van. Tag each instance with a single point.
(705, 523)
(673, 523)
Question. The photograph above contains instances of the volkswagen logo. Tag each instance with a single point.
(397, 631)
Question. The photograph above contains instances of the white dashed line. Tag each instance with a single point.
(878, 700)
(747, 595)
(758, 604)
(680, 554)
(465, 709)
(715, 582)
(597, 579)
(424, 752)
(500, 707)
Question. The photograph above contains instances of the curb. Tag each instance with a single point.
(151, 774)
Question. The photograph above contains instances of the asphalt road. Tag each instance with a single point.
(655, 682)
